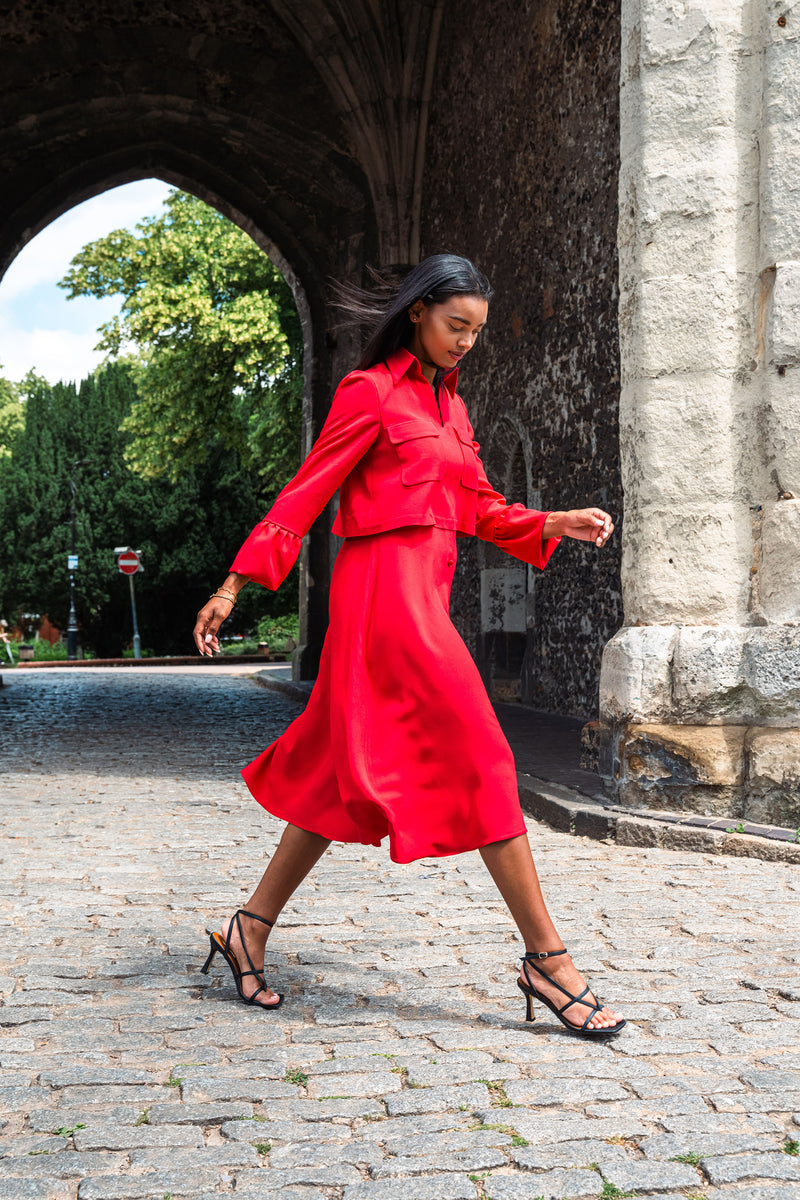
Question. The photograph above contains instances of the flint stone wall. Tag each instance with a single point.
(521, 176)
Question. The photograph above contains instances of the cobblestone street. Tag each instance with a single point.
(399, 1066)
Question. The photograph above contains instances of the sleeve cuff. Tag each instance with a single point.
(518, 531)
(268, 555)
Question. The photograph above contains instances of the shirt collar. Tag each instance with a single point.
(403, 362)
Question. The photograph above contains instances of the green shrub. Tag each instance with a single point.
(42, 651)
(276, 630)
(245, 647)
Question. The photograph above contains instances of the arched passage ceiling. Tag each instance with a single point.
(306, 119)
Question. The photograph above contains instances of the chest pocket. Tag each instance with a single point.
(469, 472)
(419, 450)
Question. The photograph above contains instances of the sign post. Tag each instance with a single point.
(128, 563)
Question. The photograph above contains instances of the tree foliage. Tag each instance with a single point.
(188, 530)
(215, 336)
(11, 416)
(191, 427)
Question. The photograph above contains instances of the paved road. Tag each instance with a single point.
(399, 1067)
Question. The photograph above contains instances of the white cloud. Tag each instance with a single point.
(39, 329)
(46, 258)
(54, 353)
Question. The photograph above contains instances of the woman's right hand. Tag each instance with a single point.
(209, 619)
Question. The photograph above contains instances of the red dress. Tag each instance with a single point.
(399, 738)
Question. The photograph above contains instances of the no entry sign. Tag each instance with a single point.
(128, 562)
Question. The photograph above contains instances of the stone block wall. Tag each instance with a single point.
(521, 175)
(700, 693)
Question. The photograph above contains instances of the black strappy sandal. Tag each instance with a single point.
(529, 991)
(224, 948)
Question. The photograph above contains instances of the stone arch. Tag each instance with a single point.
(324, 356)
(305, 124)
(319, 123)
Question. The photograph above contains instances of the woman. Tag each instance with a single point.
(399, 738)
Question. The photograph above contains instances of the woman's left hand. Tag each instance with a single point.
(587, 525)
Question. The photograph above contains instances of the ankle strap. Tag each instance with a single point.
(256, 917)
(530, 955)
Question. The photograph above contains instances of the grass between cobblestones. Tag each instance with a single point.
(110, 877)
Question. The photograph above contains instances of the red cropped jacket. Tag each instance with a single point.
(399, 456)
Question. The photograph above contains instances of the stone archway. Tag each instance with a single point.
(306, 127)
(373, 131)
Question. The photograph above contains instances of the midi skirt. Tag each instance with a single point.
(399, 738)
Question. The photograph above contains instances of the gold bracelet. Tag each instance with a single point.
(230, 597)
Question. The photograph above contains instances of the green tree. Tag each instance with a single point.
(216, 338)
(188, 530)
(11, 416)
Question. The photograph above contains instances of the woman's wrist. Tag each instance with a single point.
(553, 525)
(234, 584)
(229, 590)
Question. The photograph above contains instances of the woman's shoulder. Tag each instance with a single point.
(372, 379)
(376, 370)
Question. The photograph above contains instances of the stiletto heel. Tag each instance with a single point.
(529, 991)
(223, 947)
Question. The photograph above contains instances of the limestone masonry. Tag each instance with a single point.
(700, 692)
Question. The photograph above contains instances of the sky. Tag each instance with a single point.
(40, 329)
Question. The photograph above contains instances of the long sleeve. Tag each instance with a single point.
(351, 427)
(512, 527)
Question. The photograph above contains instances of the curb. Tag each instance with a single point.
(567, 811)
(299, 692)
(194, 660)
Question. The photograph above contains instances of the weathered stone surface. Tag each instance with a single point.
(275, 1181)
(649, 1175)
(424, 1100)
(547, 1185)
(773, 769)
(198, 1114)
(563, 1092)
(756, 1192)
(128, 1138)
(669, 1145)
(779, 574)
(685, 754)
(436, 1187)
(43, 1189)
(143, 1187)
(747, 676)
(636, 682)
(284, 1131)
(229, 1155)
(741, 679)
(66, 1164)
(378, 1083)
(485, 1159)
(736, 1167)
(76, 1076)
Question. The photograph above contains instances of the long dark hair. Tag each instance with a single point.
(385, 307)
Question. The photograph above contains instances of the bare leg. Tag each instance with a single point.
(296, 853)
(511, 866)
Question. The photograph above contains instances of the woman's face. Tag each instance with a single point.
(444, 333)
